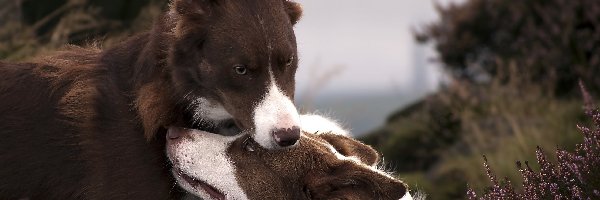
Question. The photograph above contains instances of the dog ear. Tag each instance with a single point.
(294, 10)
(185, 16)
(191, 9)
(349, 181)
(351, 148)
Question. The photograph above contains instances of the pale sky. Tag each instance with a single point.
(369, 42)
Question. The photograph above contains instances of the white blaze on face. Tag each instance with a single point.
(275, 111)
(204, 157)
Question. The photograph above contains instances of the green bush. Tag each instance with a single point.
(30, 27)
(515, 67)
(437, 145)
(554, 42)
(574, 175)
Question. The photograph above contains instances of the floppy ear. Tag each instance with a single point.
(352, 148)
(294, 10)
(191, 8)
(348, 181)
(188, 15)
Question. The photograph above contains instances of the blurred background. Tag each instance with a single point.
(360, 60)
(433, 85)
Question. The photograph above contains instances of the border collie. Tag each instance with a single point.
(323, 166)
(86, 123)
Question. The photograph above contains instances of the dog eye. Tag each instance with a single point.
(248, 145)
(240, 69)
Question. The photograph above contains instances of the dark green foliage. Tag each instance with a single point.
(416, 144)
(515, 67)
(96, 17)
(554, 42)
(29, 27)
(436, 145)
(575, 175)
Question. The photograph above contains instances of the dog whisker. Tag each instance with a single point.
(173, 187)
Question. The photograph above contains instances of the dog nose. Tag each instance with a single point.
(174, 133)
(287, 137)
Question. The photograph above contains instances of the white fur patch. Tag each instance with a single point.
(407, 196)
(204, 157)
(275, 111)
(317, 124)
(205, 110)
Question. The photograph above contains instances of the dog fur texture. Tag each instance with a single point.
(86, 123)
(324, 165)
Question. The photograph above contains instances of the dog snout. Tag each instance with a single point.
(287, 137)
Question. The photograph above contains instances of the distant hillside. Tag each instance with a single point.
(516, 68)
(437, 144)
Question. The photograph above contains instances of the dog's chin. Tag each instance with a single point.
(197, 187)
(193, 184)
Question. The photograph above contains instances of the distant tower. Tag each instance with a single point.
(427, 74)
(420, 78)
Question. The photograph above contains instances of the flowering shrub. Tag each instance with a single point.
(574, 176)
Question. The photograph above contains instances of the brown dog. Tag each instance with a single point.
(322, 166)
(82, 124)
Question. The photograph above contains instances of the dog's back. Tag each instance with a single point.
(35, 144)
(68, 133)
(87, 124)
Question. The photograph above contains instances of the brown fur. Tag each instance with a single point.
(311, 170)
(295, 11)
(314, 172)
(240, 33)
(81, 124)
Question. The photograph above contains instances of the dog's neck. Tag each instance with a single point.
(140, 59)
(138, 66)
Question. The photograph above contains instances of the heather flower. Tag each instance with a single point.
(576, 175)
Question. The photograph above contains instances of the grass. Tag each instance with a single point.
(77, 22)
(438, 145)
(571, 175)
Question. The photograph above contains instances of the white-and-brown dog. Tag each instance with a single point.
(324, 165)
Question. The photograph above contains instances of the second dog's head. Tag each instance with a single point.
(322, 166)
(235, 62)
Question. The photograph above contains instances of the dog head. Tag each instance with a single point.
(236, 60)
(322, 166)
